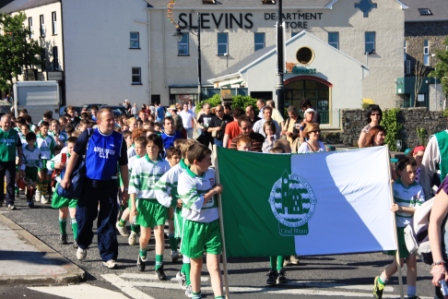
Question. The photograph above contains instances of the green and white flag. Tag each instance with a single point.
(306, 204)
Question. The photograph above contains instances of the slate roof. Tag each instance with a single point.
(439, 9)
(19, 5)
(299, 4)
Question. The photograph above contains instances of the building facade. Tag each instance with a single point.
(338, 52)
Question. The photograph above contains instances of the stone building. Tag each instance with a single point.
(426, 27)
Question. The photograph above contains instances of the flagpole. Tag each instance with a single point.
(397, 255)
(221, 223)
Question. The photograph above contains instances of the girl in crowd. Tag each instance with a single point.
(373, 115)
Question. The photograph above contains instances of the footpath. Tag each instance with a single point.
(25, 260)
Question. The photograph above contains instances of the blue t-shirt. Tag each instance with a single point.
(168, 140)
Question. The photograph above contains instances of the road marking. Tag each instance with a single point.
(137, 276)
(82, 291)
(274, 290)
(125, 286)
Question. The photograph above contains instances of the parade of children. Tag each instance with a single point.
(175, 191)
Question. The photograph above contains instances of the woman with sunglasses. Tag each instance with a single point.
(312, 144)
(374, 116)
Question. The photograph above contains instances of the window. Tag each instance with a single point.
(30, 27)
(55, 59)
(405, 50)
(223, 44)
(304, 55)
(41, 26)
(183, 46)
(426, 52)
(134, 40)
(136, 76)
(259, 41)
(54, 23)
(333, 39)
(369, 42)
(425, 11)
(43, 57)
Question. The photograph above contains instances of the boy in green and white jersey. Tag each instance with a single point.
(65, 205)
(144, 205)
(32, 164)
(45, 143)
(140, 150)
(197, 189)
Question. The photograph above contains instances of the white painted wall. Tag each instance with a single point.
(97, 55)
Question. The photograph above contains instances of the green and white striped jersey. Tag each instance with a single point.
(166, 187)
(191, 189)
(145, 175)
(46, 145)
(411, 196)
(32, 157)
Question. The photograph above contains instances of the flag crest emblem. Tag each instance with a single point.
(293, 203)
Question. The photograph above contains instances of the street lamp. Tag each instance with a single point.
(179, 34)
(279, 86)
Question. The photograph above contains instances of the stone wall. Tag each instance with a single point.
(353, 120)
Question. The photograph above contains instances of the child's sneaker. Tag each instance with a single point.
(281, 277)
(294, 260)
(174, 256)
(161, 274)
(37, 196)
(132, 238)
(122, 229)
(63, 239)
(110, 264)
(377, 289)
(141, 263)
(182, 280)
(11, 207)
(272, 277)
(81, 254)
(43, 199)
(188, 291)
(30, 204)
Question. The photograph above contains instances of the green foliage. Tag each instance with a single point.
(390, 122)
(440, 71)
(237, 101)
(366, 103)
(422, 135)
(17, 52)
(445, 112)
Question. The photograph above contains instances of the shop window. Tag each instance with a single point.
(259, 40)
(136, 76)
(223, 44)
(183, 46)
(304, 55)
(369, 42)
(134, 40)
(55, 59)
(333, 39)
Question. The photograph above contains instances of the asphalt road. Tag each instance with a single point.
(315, 277)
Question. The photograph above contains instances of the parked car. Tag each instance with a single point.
(63, 110)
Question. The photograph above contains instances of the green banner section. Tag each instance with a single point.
(250, 180)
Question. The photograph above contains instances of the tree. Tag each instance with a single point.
(17, 52)
(440, 71)
(420, 73)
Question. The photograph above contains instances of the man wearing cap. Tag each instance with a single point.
(308, 117)
(177, 119)
(218, 125)
(306, 104)
(259, 125)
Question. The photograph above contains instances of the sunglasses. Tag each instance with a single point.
(316, 131)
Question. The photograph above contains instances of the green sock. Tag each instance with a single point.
(159, 261)
(143, 253)
(62, 224)
(273, 262)
(75, 228)
(135, 228)
(186, 268)
(173, 242)
(381, 283)
(197, 295)
(122, 222)
(280, 260)
(220, 297)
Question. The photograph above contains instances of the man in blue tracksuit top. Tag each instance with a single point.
(104, 149)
